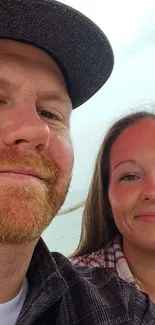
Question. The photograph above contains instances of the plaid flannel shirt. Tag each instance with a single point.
(60, 294)
(111, 257)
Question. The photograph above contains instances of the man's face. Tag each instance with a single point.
(36, 156)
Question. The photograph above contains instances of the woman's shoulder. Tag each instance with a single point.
(93, 259)
(103, 257)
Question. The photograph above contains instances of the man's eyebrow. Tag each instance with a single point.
(43, 95)
(53, 95)
(57, 97)
(123, 162)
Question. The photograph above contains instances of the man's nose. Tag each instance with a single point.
(26, 130)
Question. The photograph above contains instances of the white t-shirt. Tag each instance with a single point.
(10, 310)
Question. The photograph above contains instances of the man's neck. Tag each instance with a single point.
(142, 266)
(14, 262)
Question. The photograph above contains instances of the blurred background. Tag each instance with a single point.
(130, 28)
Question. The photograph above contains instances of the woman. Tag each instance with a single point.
(118, 227)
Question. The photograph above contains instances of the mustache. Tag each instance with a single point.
(13, 158)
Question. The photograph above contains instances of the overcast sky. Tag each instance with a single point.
(130, 27)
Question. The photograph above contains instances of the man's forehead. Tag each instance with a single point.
(28, 51)
(16, 55)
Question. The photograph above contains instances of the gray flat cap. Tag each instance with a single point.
(79, 47)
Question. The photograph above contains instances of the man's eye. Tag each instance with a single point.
(129, 177)
(47, 114)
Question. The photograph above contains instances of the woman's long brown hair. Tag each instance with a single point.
(98, 226)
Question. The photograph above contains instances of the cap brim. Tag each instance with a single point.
(80, 47)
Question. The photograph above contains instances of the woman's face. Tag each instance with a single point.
(132, 183)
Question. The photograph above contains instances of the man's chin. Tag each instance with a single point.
(25, 212)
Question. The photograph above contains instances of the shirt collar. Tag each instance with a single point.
(45, 283)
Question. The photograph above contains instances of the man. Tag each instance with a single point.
(52, 59)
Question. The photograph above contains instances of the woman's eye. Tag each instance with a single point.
(129, 177)
(48, 115)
